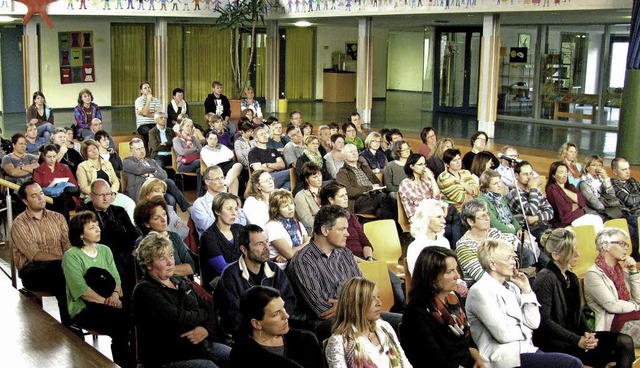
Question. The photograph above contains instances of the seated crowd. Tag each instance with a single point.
(266, 268)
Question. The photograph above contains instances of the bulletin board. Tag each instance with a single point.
(77, 63)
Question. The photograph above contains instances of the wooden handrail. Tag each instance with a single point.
(15, 187)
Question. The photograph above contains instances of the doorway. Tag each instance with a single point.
(457, 57)
(12, 75)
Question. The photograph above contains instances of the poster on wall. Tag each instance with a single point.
(76, 57)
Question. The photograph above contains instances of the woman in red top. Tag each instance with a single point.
(64, 193)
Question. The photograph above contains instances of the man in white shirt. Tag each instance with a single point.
(145, 107)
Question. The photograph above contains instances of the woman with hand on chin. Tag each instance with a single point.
(420, 184)
(94, 293)
(435, 331)
(503, 312)
(563, 327)
(360, 338)
(268, 340)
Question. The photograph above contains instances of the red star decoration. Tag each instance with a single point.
(37, 7)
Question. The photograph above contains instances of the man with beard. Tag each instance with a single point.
(253, 268)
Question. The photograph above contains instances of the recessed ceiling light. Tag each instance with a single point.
(302, 23)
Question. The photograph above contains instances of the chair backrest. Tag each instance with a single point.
(174, 160)
(378, 272)
(380, 176)
(123, 182)
(385, 241)
(403, 220)
(293, 177)
(203, 166)
(124, 150)
(586, 236)
(407, 278)
(621, 224)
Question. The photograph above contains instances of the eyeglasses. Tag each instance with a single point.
(220, 178)
(105, 195)
(621, 243)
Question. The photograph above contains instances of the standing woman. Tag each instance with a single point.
(335, 158)
(216, 154)
(268, 341)
(567, 201)
(419, 185)
(218, 244)
(375, 157)
(563, 327)
(285, 233)
(429, 138)
(252, 104)
(188, 147)
(435, 330)
(394, 171)
(178, 108)
(94, 294)
(568, 154)
(41, 111)
(360, 338)
(256, 205)
(95, 167)
(84, 112)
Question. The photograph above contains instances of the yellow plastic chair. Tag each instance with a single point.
(407, 278)
(385, 241)
(377, 272)
(293, 177)
(622, 225)
(403, 220)
(543, 185)
(586, 237)
(174, 166)
(124, 150)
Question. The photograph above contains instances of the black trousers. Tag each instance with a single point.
(47, 276)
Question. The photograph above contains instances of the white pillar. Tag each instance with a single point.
(272, 93)
(489, 73)
(364, 84)
(161, 87)
(30, 59)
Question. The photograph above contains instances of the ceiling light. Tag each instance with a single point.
(302, 23)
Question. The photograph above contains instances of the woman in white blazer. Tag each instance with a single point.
(503, 312)
(612, 289)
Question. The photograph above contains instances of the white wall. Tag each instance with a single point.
(66, 95)
(405, 61)
(330, 39)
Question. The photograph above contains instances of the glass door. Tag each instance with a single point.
(457, 70)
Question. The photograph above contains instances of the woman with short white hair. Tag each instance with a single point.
(427, 228)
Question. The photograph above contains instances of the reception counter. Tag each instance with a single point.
(339, 87)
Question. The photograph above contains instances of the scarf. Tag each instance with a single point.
(457, 321)
(504, 214)
(293, 229)
(188, 140)
(573, 168)
(616, 275)
(357, 358)
(176, 106)
(316, 158)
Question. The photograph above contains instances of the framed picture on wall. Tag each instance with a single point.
(351, 48)
(524, 40)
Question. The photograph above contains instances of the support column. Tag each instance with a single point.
(160, 85)
(364, 84)
(629, 129)
(489, 72)
(272, 93)
(31, 60)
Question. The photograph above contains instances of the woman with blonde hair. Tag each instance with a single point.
(94, 167)
(187, 145)
(568, 154)
(256, 205)
(435, 163)
(216, 154)
(360, 338)
(156, 188)
(375, 157)
(285, 233)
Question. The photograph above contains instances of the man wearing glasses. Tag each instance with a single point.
(117, 231)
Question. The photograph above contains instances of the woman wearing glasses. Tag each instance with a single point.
(394, 171)
(563, 327)
(612, 286)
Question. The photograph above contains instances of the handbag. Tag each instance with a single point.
(187, 159)
(101, 281)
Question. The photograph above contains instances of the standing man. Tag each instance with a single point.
(40, 237)
(218, 104)
(146, 105)
(537, 209)
(252, 269)
(137, 169)
(295, 147)
(269, 159)
(161, 140)
(116, 229)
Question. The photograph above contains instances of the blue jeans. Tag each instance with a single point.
(45, 130)
(178, 197)
(281, 179)
(193, 166)
(217, 352)
(549, 360)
